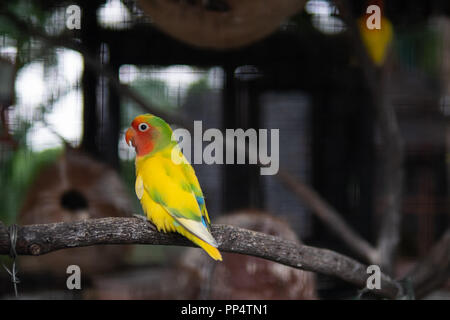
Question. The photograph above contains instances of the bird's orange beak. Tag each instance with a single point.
(129, 136)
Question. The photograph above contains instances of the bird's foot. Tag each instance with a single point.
(141, 217)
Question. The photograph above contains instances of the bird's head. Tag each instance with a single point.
(148, 134)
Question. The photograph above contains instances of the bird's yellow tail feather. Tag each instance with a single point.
(212, 251)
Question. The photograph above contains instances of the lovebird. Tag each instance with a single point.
(166, 184)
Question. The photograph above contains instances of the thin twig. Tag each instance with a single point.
(327, 214)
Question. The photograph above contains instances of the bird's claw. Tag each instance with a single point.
(141, 217)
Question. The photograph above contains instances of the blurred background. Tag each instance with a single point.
(65, 105)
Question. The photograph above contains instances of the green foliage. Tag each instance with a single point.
(419, 48)
(18, 170)
(198, 87)
(156, 92)
(28, 11)
(127, 173)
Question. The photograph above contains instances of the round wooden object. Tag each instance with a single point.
(219, 24)
(76, 187)
(245, 277)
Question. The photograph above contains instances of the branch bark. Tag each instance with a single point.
(45, 238)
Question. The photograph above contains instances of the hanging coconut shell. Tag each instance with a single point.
(246, 277)
(219, 24)
(75, 187)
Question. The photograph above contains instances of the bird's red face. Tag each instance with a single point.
(141, 135)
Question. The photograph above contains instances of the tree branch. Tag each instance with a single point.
(44, 238)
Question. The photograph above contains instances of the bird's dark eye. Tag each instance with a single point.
(143, 127)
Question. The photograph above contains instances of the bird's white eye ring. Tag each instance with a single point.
(143, 127)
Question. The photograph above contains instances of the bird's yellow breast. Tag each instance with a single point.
(165, 179)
